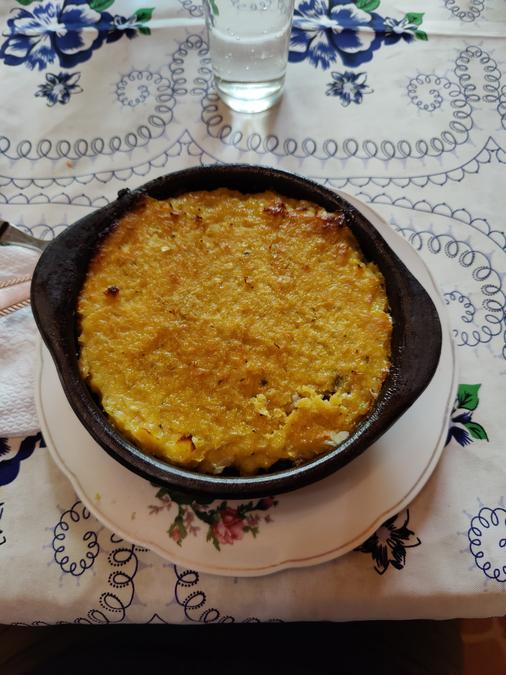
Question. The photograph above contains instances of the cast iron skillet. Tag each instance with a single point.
(59, 276)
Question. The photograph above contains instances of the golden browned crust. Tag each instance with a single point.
(222, 329)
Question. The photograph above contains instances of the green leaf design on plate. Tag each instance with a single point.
(145, 14)
(467, 396)
(101, 5)
(253, 529)
(214, 7)
(421, 35)
(144, 30)
(25, 2)
(224, 522)
(415, 17)
(212, 538)
(177, 530)
(209, 517)
(476, 431)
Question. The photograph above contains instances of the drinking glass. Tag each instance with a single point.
(248, 42)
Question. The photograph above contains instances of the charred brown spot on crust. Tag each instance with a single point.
(111, 290)
(276, 209)
(338, 381)
(333, 219)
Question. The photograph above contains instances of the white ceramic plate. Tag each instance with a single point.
(306, 527)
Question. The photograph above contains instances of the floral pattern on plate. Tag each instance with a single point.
(226, 523)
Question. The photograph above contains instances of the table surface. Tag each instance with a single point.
(402, 104)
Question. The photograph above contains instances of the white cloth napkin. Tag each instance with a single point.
(17, 352)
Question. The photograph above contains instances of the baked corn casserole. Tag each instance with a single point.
(221, 329)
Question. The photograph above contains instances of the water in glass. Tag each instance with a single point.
(248, 41)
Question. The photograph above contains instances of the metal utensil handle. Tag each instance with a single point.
(11, 235)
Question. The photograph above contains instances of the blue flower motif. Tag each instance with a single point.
(397, 29)
(59, 88)
(67, 30)
(457, 428)
(120, 26)
(349, 86)
(322, 30)
(388, 544)
(462, 426)
(10, 459)
(4, 448)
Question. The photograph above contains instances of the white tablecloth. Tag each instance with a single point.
(402, 104)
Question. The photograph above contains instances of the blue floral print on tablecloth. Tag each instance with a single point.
(349, 87)
(400, 29)
(462, 427)
(10, 458)
(59, 88)
(387, 546)
(65, 32)
(327, 30)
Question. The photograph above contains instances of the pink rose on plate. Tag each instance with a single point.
(229, 528)
(176, 534)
